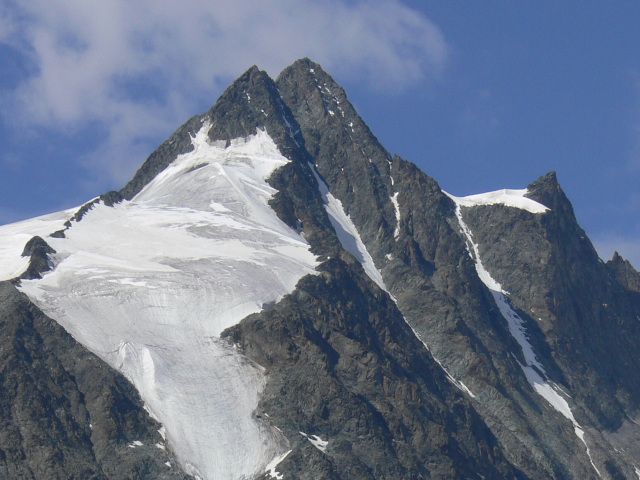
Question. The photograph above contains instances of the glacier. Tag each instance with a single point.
(149, 284)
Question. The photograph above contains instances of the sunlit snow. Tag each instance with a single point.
(150, 284)
(508, 197)
(316, 441)
(271, 467)
(396, 207)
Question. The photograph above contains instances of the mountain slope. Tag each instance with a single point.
(64, 413)
(424, 258)
(291, 301)
(149, 284)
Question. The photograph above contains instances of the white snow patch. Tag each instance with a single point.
(133, 283)
(14, 236)
(532, 369)
(546, 391)
(510, 198)
(271, 468)
(394, 200)
(515, 323)
(168, 464)
(170, 268)
(189, 469)
(347, 232)
(331, 112)
(638, 472)
(135, 443)
(316, 441)
(160, 446)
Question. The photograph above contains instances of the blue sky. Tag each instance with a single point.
(481, 95)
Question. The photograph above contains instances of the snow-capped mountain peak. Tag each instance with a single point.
(149, 284)
(291, 301)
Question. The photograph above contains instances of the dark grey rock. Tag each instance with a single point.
(343, 364)
(39, 263)
(582, 320)
(429, 271)
(624, 273)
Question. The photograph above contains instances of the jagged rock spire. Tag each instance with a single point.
(251, 102)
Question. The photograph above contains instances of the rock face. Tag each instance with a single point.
(441, 337)
(64, 413)
(344, 366)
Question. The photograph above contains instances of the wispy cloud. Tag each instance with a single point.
(139, 68)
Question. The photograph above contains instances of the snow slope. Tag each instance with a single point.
(149, 285)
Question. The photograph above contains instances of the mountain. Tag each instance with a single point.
(274, 295)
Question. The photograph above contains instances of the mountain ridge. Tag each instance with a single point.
(437, 337)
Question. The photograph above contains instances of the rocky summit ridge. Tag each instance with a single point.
(274, 295)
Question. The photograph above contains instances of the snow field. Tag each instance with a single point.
(149, 285)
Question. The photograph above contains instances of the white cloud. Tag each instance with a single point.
(139, 68)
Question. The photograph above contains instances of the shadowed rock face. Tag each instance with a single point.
(63, 412)
(422, 381)
(579, 312)
(545, 262)
(624, 273)
(38, 250)
(344, 366)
